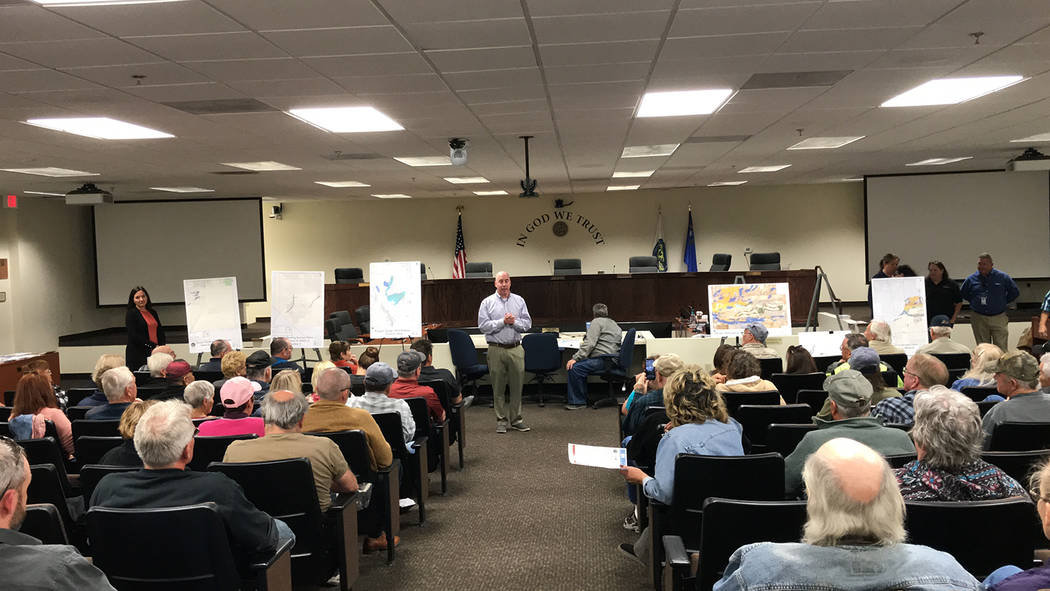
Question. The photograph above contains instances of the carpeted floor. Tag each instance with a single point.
(519, 516)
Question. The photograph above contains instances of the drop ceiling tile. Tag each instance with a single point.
(724, 123)
(487, 58)
(596, 73)
(287, 88)
(8, 62)
(782, 100)
(465, 34)
(424, 11)
(662, 130)
(155, 74)
(848, 39)
(301, 14)
(341, 41)
(574, 54)
(606, 100)
(265, 69)
(494, 79)
(600, 27)
(539, 8)
(879, 13)
(525, 106)
(820, 61)
(211, 46)
(365, 85)
(701, 70)
(185, 92)
(19, 81)
(684, 48)
(388, 64)
(499, 95)
(33, 23)
(736, 20)
(169, 18)
(80, 52)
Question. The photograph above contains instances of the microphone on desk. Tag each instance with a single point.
(614, 269)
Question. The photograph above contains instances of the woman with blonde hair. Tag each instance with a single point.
(287, 379)
(125, 454)
(104, 364)
(982, 367)
(318, 370)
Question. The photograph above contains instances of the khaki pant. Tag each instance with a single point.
(990, 329)
(506, 367)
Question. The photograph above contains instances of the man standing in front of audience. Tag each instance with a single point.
(503, 317)
(989, 291)
(602, 338)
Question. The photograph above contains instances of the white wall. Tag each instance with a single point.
(8, 250)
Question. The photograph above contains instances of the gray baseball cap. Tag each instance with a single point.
(378, 375)
(758, 331)
(848, 388)
(409, 361)
(863, 358)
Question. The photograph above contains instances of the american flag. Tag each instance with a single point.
(459, 259)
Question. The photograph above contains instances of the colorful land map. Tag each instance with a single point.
(735, 306)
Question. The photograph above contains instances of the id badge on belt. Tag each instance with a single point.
(984, 300)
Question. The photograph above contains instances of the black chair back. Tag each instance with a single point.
(9, 398)
(75, 395)
(899, 460)
(5, 429)
(567, 266)
(721, 261)
(441, 389)
(896, 361)
(477, 270)
(542, 356)
(357, 384)
(354, 446)
(955, 374)
(1011, 436)
(43, 521)
(979, 393)
(77, 413)
(731, 523)
(765, 261)
(814, 398)
(981, 535)
(986, 405)
(783, 438)
(211, 449)
(1018, 464)
(770, 366)
(5, 413)
(92, 474)
(623, 363)
(108, 428)
(47, 451)
(418, 406)
(735, 399)
(788, 384)
(208, 376)
(390, 424)
(461, 347)
(954, 360)
(90, 448)
(341, 317)
(756, 418)
(142, 377)
(126, 547)
(642, 264)
(824, 362)
(364, 318)
(46, 486)
(349, 275)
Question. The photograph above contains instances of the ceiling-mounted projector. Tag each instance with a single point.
(88, 194)
(1030, 160)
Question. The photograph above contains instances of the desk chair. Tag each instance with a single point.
(721, 261)
(643, 264)
(478, 270)
(542, 358)
(567, 266)
(349, 275)
(765, 261)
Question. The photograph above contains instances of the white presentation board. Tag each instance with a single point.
(823, 343)
(395, 299)
(297, 307)
(212, 312)
(901, 302)
(732, 307)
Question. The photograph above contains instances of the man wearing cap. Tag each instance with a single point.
(1017, 378)
(849, 396)
(879, 335)
(754, 341)
(920, 374)
(866, 361)
(331, 413)
(603, 338)
(219, 349)
(941, 338)
(989, 291)
(502, 318)
(238, 401)
(378, 378)
(407, 384)
(177, 376)
(257, 369)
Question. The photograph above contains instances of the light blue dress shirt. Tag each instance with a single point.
(490, 318)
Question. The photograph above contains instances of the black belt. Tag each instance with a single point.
(504, 345)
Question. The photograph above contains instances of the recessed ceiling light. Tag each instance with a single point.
(938, 161)
(825, 143)
(646, 151)
(726, 183)
(466, 180)
(44, 193)
(1039, 137)
(622, 187)
(856, 179)
(50, 171)
(346, 119)
(773, 168)
(262, 166)
(393, 196)
(633, 175)
(62, 3)
(424, 160)
(489, 193)
(951, 91)
(102, 128)
(341, 184)
(683, 102)
(183, 189)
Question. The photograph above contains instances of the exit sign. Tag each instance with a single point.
(11, 201)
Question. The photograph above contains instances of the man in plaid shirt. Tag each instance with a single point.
(921, 372)
(375, 400)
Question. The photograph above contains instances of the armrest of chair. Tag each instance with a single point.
(677, 560)
(276, 571)
(344, 514)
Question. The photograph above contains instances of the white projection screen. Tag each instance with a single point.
(956, 216)
(158, 244)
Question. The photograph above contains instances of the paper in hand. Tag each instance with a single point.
(598, 457)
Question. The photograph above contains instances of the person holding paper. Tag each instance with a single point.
(502, 318)
(145, 331)
(603, 338)
(699, 424)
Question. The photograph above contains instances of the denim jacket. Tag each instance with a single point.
(711, 438)
(767, 566)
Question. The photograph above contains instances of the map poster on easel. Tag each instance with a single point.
(396, 300)
(735, 306)
(212, 312)
(901, 302)
(297, 307)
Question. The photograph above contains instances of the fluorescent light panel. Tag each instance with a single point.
(341, 184)
(772, 168)
(424, 160)
(50, 171)
(393, 196)
(951, 91)
(726, 183)
(466, 180)
(261, 166)
(647, 151)
(490, 193)
(683, 102)
(938, 161)
(622, 187)
(825, 143)
(633, 175)
(183, 189)
(1039, 137)
(102, 128)
(856, 179)
(346, 119)
(44, 193)
(61, 3)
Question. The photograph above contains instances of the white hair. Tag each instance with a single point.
(163, 433)
(158, 362)
(1044, 366)
(880, 330)
(197, 392)
(284, 414)
(947, 428)
(940, 331)
(115, 383)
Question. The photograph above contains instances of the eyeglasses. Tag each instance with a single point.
(1037, 495)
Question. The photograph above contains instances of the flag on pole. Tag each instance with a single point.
(660, 249)
(459, 259)
(690, 245)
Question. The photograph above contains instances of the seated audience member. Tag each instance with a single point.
(287, 379)
(164, 441)
(941, 338)
(744, 375)
(331, 413)
(319, 368)
(341, 355)
(720, 360)
(649, 384)
(200, 395)
(407, 384)
(1017, 379)
(219, 349)
(258, 370)
(238, 399)
(866, 361)
(853, 537)
(983, 359)
(163, 349)
(125, 454)
(878, 334)
(1012, 578)
(158, 363)
(947, 435)
(42, 369)
(849, 399)
(754, 341)
(699, 424)
(370, 356)
(799, 360)
(921, 373)
(644, 397)
(27, 562)
(378, 378)
(34, 404)
(429, 373)
(849, 343)
(233, 364)
(177, 376)
(119, 386)
(603, 338)
(280, 356)
(104, 364)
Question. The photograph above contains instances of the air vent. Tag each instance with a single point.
(357, 156)
(795, 79)
(235, 172)
(220, 106)
(715, 139)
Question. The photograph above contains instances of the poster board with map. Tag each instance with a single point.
(732, 307)
(395, 298)
(212, 312)
(297, 307)
(901, 302)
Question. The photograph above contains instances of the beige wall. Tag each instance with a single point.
(8, 250)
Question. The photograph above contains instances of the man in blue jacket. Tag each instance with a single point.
(989, 291)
